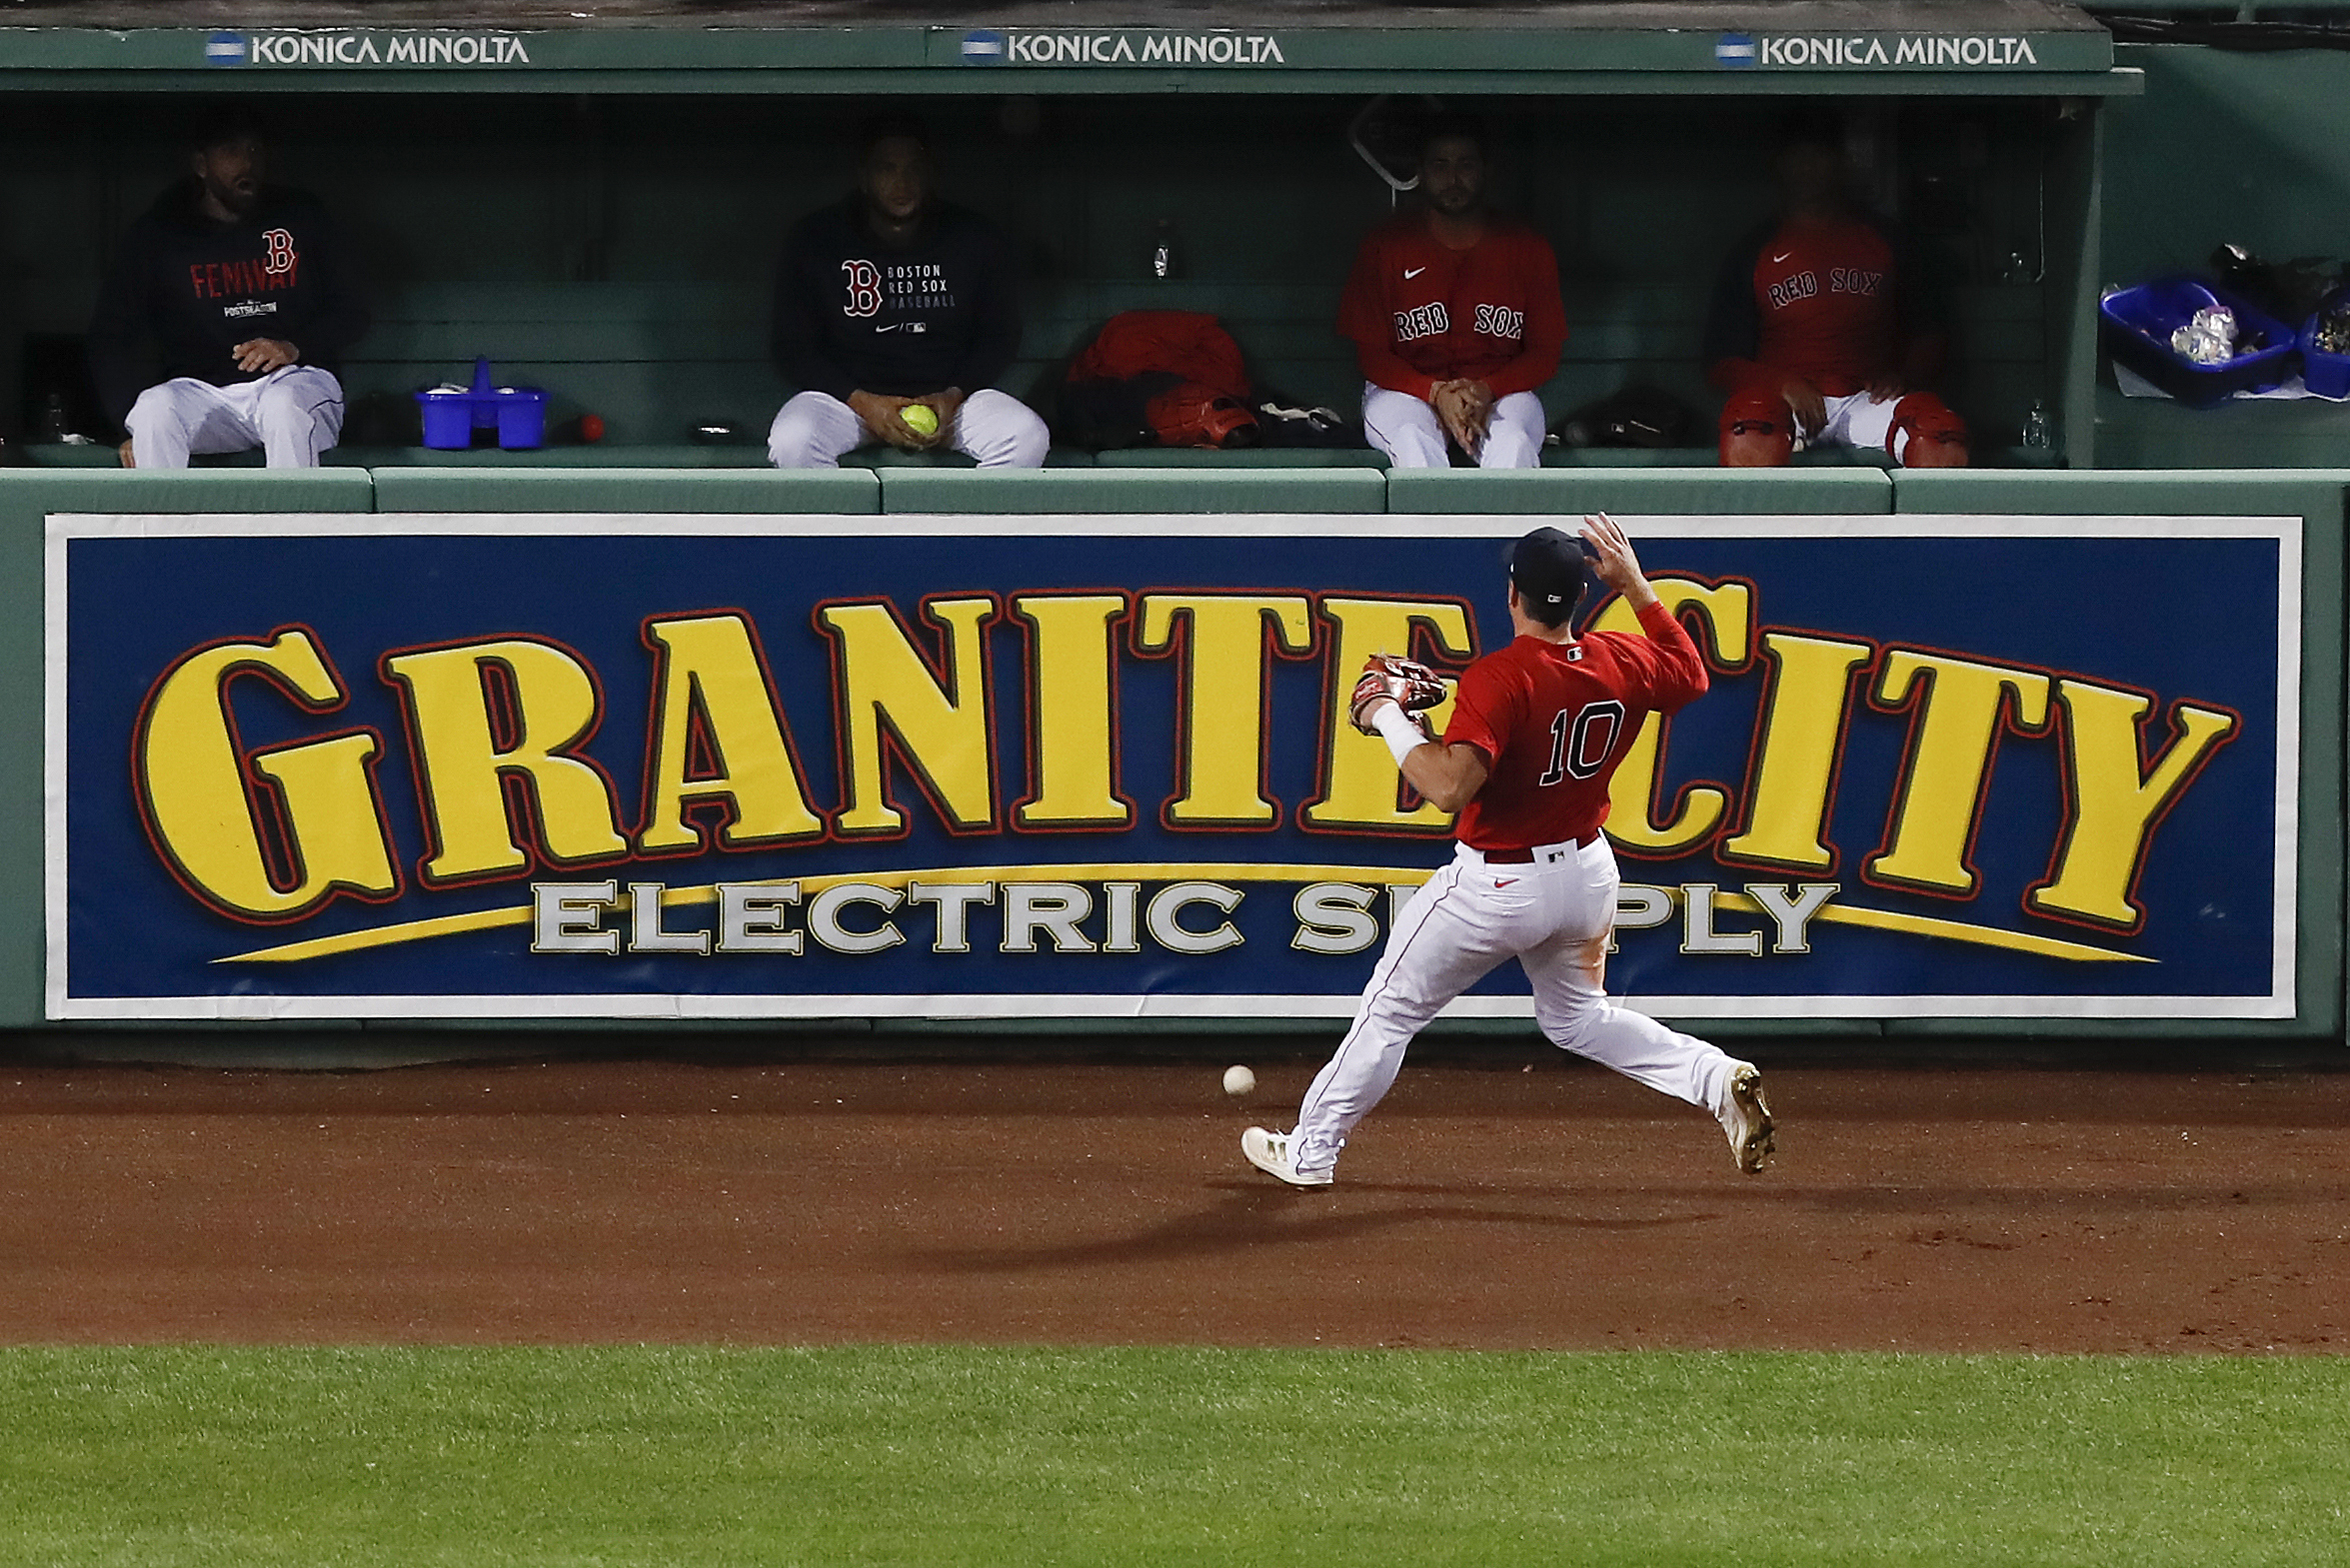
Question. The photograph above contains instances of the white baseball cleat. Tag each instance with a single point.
(1272, 1152)
(1745, 1120)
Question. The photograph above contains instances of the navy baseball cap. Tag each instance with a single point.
(1551, 571)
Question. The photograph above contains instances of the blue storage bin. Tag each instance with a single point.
(2326, 375)
(452, 414)
(2137, 324)
(447, 417)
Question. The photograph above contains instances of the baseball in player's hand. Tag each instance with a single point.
(881, 416)
(941, 421)
(265, 355)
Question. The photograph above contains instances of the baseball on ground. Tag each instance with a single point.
(1239, 1082)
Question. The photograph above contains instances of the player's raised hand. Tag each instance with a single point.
(1613, 561)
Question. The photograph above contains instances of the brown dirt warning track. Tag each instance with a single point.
(1551, 1208)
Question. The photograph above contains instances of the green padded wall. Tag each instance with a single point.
(852, 491)
(2317, 497)
(1640, 491)
(1246, 457)
(1133, 490)
(27, 497)
(553, 457)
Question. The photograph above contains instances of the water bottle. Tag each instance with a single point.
(2037, 434)
(1166, 261)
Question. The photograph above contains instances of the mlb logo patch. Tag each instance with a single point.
(1734, 51)
(983, 48)
(227, 49)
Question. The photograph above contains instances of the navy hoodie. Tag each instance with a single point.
(185, 289)
(854, 312)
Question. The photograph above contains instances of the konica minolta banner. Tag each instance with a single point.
(496, 766)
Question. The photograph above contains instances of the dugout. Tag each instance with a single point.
(595, 203)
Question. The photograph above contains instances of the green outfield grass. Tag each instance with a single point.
(941, 1456)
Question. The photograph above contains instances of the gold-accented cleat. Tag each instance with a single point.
(1745, 1120)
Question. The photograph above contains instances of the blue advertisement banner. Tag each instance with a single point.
(921, 767)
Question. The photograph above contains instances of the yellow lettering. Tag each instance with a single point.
(487, 714)
(2116, 801)
(1222, 706)
(1635, 818)
(891, 699)
(1951, 743)
(1802, 732)
(1359, 775)
(1073, 711)
(713, 684)
(319, 818)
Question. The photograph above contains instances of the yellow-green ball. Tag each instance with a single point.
(920, 418)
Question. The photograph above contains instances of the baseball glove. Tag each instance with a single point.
(1409, 684)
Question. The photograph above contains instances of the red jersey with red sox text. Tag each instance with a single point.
(1836, 303)
(1555, 718)
(1419, 313)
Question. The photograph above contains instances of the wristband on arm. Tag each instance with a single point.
(1400, 729)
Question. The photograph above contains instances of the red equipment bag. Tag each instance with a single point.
(1189, 372)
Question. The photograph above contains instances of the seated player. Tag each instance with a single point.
(1824, 330)
(1456, 317)
(895, 313)
(220, 322)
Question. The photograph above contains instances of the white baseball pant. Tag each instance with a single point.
(1468, 919)
(1409, 431)
(291, 414)
(1859, 421)
(814, 430)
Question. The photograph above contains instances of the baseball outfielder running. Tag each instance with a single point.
(1537, 731)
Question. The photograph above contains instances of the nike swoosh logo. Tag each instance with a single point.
(1506, 881)
(1411, 272)
(1775, 260)
(892, 327)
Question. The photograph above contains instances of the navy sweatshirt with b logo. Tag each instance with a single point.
(855, 313)
(184, 291)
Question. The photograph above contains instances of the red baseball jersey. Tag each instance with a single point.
(1419, 313)
(1555, 719)
(1825, 303)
